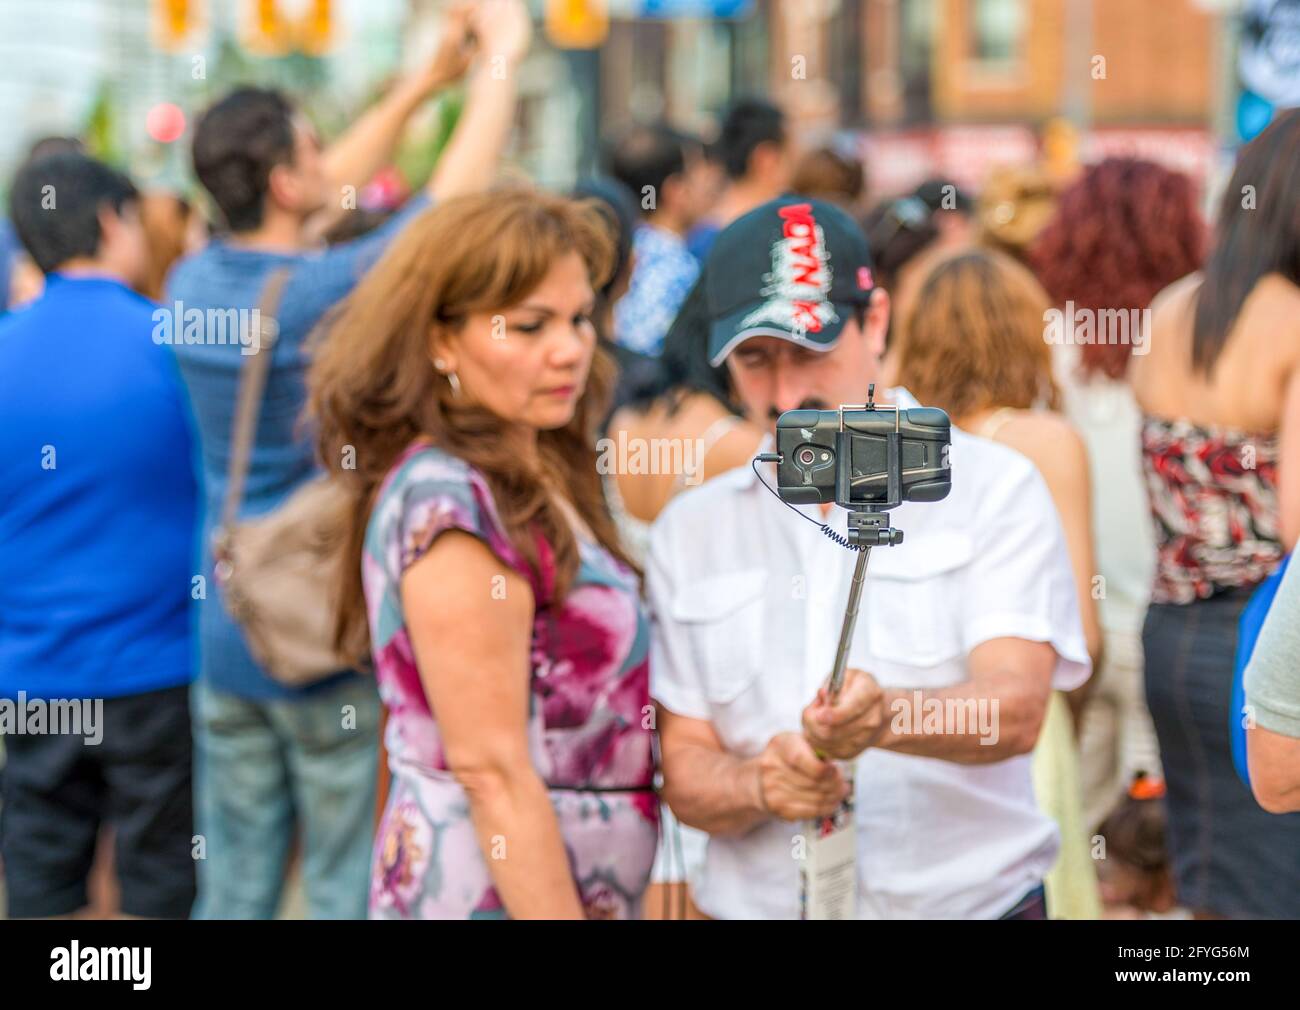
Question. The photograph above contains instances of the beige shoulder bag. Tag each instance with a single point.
(277, 573)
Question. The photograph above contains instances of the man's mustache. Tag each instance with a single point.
(811, 403)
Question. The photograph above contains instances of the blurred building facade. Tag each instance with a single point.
(922, 86)
(946, 86)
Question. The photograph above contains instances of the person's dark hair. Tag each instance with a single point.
(236, 144)
(684, 365)
(647, 156)
(54, 204)
(46, 146)
(897, 231)
(356, 224)
(944, 195)
(637, 372)
(619, 208)
(1253, 237)
(1121, 233)
(748, 123)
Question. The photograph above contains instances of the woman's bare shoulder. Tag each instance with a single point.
(1050, 441)
(735, 448)
(1169, 326)
(637, 421)
(1277, 300)
(1176, 294)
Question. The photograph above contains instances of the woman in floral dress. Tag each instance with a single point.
(460, 386)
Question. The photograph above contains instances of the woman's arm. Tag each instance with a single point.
(1055, 448)
(470, 620)
(369, 143)
(1274, 760)
(1272, 685)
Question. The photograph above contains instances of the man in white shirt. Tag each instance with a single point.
(965, 627)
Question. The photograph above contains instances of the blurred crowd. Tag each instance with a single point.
(548, 661)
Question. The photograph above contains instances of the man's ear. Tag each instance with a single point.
(877, 322)
(765, 158)
(281, 187)
(110, 227)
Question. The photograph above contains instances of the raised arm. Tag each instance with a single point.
(472, 649)
(370, 143)
(503, 30)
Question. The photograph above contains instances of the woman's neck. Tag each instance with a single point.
(974, 419)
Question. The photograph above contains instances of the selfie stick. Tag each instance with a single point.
(867, 529)
(850, 622)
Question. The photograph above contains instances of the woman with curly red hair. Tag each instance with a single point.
(1125, 229)
(1121, 233)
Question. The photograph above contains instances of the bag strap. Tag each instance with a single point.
(248, 401)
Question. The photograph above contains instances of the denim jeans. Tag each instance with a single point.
(267, 771)
(1230, 857)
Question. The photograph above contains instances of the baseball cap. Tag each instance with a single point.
(794, 268)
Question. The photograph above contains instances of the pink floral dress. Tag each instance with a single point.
(588, 727)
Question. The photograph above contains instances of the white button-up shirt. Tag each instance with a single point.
(748, 600)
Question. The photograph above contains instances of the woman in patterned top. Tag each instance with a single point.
(459, 391)
(1220, 395)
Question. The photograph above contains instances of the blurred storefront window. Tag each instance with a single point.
(998, 31)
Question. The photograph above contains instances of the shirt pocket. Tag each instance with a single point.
(914, 599)
(723, 615)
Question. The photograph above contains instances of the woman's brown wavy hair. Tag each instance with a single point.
(373, 388)
(975, 337)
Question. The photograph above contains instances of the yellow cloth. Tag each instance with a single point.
(1071, 883)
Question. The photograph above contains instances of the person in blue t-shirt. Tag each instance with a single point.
(274, 758)
(662, 168)
(98, 499)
